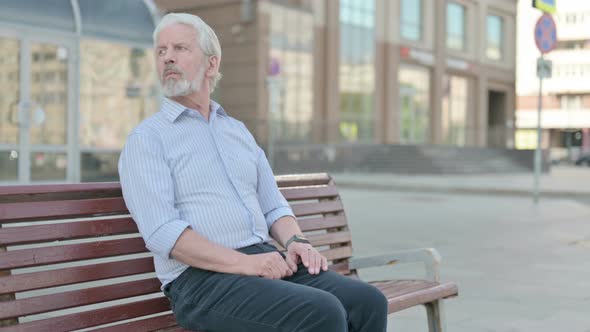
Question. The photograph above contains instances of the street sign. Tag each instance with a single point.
(274, 67)
(544, 68)
(545, 33)
(548, 6)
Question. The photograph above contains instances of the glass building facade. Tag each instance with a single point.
(77, 75)
(456, 34)
(495, 37)
(118, 89)
(75, 78)
(411, 19)
(414, 111)
(454, 110)
(357, 70)
(291, 45)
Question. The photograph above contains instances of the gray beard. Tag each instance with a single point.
(177, 88)
(183, 87)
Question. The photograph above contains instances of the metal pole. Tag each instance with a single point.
(538, 150)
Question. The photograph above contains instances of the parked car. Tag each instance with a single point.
(583, 160)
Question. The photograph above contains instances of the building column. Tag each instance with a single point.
(510, 123)
(438, 72)
(331, 70)
(586, 139)
(481, 110)
(319, 82)
(382, 22)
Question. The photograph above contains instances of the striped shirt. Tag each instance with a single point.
(177, 170)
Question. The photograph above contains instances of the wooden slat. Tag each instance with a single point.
(324, 222)
(65, 300)
(423, 296)
(299, 180)
(149, 324)
(402, 294)
(59, 189)
(337, 253)
(322, 239)
(329, 238)
(94, 317)
(341, 268)
(398, 288)
(68, 253)
(15, 212)
(311, 192)
(97, 188)
(73, 275)
(66, 231)
(308, 209)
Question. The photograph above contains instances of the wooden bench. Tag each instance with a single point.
(74, 258)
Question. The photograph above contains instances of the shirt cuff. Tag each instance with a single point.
(164, 238)
(276, 214)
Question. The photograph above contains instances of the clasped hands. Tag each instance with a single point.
(273, 266)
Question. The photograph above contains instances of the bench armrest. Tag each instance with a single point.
(429, 256)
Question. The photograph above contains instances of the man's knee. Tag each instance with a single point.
(367, 300)
(377, 299)
(324, 312)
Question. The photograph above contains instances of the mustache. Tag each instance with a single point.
(171, 69)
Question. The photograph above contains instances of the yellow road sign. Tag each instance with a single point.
(548, 6)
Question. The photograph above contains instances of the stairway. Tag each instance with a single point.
(400, 159)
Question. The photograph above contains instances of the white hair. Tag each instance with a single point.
(206, 37)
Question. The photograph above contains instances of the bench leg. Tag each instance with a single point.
(436, 319)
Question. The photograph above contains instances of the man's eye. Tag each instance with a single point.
(161, 52)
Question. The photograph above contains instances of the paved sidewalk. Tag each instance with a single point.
(520, 267)
(561, 182)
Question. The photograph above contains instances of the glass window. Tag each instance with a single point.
(49, 110)
(99, 166)
(291, 37)
(8, 165)
(454, 110)
(9, 91)
(357, 70)
(495, 33)
(118, 89)
(571, 102)
(456, 26)
(48, 166)
(414, 95)
(411, 19)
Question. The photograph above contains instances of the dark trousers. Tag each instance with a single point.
(328, 302)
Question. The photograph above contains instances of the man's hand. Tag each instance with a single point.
(268, 265)
(308, 255)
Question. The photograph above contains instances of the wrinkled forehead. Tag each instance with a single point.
(177, 33)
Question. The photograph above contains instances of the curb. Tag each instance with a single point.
(460, 190)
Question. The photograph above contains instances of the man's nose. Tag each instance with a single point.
(169, 58)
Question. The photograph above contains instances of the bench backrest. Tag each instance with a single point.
(70, 253)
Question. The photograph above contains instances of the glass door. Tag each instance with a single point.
(408, 114)
(414, 94)
(36, 110)
(10, 116)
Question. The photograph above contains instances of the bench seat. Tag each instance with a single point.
(71, 258)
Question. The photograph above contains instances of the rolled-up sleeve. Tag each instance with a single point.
(149, 193)
(272, 202)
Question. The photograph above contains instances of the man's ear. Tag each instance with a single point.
(212, 65)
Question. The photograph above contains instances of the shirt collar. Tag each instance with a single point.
(173, 109)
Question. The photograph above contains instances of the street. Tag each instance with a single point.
(518, 267)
